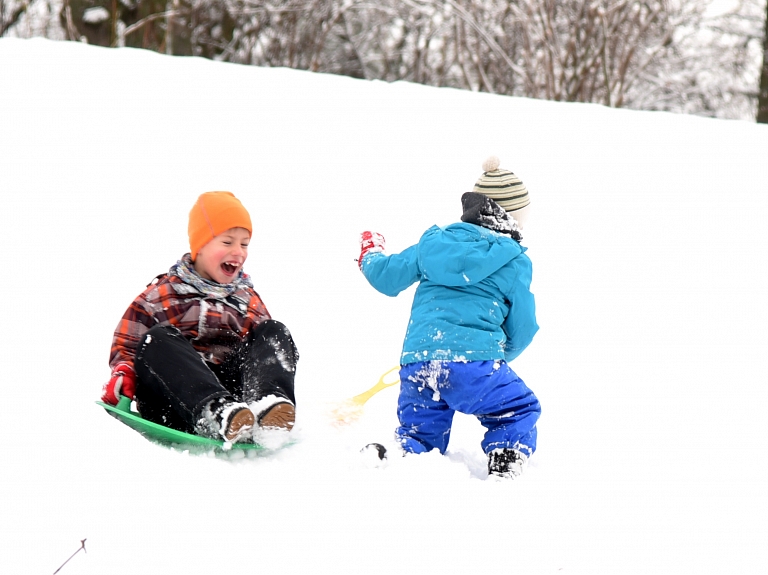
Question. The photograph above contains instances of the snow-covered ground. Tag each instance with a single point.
(648, 238)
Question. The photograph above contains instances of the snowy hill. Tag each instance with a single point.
(647, 237)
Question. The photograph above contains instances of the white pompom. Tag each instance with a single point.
(491, 164)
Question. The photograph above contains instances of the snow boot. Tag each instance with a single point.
(506, 463)
(229, 420)
(378, 448)
(280, 416)
(238, 424)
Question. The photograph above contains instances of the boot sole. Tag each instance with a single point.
(241, 422)
(280, 416)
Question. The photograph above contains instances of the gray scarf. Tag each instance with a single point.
(185, 269)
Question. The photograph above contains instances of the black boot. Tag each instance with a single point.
(229, 420)
(506, 463)
(381, 451)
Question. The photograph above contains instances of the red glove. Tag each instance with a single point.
(370, 242)
(122, 382)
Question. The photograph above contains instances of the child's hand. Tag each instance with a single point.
(122, 382)
(370, 242)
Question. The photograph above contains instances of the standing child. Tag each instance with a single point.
(197, 349)
(472, 314)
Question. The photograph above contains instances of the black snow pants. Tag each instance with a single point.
(174, 383)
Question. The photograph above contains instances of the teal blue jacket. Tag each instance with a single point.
(473, 302)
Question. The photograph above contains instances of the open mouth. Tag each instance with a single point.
(229, 268)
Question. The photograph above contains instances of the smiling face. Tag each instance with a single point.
(223, 257)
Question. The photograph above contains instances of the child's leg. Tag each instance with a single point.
(263, 369)
(173, 383)
(506, 408)
(425, 419)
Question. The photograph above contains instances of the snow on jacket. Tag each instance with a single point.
(214, 325)
(473, 301)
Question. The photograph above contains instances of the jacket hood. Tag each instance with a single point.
(483, 211)
(464, 254)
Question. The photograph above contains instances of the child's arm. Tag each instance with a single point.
(388, 274)
(520, 325)
(136, 321)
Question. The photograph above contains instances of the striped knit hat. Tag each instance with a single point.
(502, 186)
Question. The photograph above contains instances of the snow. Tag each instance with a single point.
(647, 235)
(96, 15)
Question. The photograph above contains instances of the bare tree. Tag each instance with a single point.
(10, 13)
(576, 50)
(29, 18)
(644, 54)
(762, 98)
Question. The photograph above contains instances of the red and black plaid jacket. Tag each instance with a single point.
(213, 326)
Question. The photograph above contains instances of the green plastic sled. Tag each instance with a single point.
(167, 436)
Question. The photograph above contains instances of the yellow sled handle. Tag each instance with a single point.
(381, 384)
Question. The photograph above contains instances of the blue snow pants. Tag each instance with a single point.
(432, 391)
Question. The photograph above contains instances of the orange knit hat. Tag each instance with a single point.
(212, 214)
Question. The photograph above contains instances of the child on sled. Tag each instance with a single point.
(197, 349)
(473, 313)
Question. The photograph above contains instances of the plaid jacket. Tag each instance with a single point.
(213, 326)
